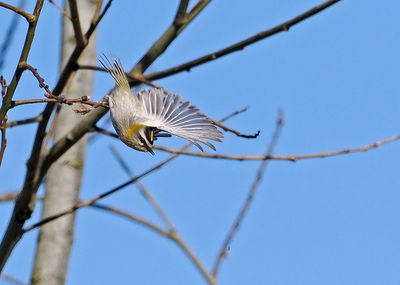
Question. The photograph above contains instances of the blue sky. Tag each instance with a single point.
(322, 221)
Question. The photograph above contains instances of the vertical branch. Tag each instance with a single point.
(25, 203)
(8, 39)
(64, 177)
(248, 200)
(3, 123)
(76, 23)
(23, 58)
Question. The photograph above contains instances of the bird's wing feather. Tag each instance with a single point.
(168, 112)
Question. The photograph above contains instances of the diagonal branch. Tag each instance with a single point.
(178, 25)
(283, 27)
(172, 232)
(89, 202)
(249, 198)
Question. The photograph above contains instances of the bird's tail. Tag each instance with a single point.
(114, 67)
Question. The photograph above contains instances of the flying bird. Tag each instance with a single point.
(140, 118)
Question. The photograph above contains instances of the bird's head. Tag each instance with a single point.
(139, 137)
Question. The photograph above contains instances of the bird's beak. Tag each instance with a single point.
(149, 149)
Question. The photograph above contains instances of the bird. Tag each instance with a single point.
(139, 118)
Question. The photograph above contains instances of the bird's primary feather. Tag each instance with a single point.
(168, 112)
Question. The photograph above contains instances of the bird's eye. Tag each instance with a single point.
(142, 141)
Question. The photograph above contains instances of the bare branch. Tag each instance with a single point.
(11, 279)
(3, 127)
(249, 198)
(283, 27)
(293, 157)
(35, 119)
(24, 205)
(76, 23)
(144, 191)
(29, 17)
(88, 202)
(3, 123)
(168, 37)
(239, 134)
(60, 9)
(23, 58)
(180, 16)
(61, 100)
(10, 33)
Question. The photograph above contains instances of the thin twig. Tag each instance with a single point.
(3, 123)
(283, 27)
(76, 23)
(88, 202)
(61, 100)
(3, 127)
(239, 134)
(10, 33)
(60, 9)
(97, 11)
(40, 79)
(170, 234)
(143, 190)
(35, 119)
(29, 17)
(292, 158)
(222, 253)
(30, 34)
(168, 36)
(11, 279)
(24, 205)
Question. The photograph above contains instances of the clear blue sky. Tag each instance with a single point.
(323, 221)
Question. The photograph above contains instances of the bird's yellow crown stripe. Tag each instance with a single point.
(133, 129)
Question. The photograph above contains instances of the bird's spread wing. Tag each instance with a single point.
(168, 112)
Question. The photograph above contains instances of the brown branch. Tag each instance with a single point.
(88, 202)
(10, 33)
(90, 120)
(239, 134)
(60, 9)
(61, 100)
(293, 158)
(222, 253)
(97, 11)
(143, 190)
(29, 17)
(40, 79)
(76, 23)
(172, 232)
(35, 119)
(3, 123)
(3, 127)
(283, 27)
(168, 36)
(3, 86)
(24, 205)
(23, 58)
(180, 16)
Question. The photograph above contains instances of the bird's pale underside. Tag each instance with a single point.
(139, 118)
